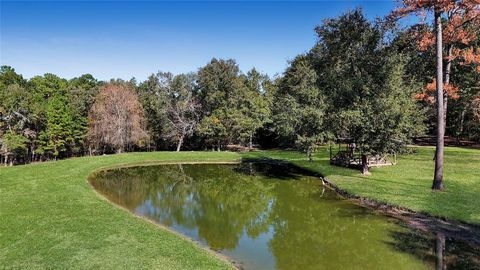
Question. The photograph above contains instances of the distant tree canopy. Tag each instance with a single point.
(363, 81)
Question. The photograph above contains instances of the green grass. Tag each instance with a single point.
(51, 218)
(408, 184)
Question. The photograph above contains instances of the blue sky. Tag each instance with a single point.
(121, 39)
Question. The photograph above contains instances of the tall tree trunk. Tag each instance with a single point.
(250, 168)
(438, 175)
(179, 143)
(448, 70)
(462, 121)
(33, 154)
(365, 165)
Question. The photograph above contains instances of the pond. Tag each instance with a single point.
(272, 216)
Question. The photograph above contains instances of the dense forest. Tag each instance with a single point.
(368, 82)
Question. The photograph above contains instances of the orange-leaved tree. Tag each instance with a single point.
(116, 118)
(456, 25)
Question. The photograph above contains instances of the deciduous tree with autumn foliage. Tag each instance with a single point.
(454, 33)
(116, 118)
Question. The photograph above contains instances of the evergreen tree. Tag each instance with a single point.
(82, 92)
(58, 135)
(298, 106)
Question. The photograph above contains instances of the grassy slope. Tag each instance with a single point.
(50, 217)
(408, 183)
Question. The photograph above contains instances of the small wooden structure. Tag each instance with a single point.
(348, 156)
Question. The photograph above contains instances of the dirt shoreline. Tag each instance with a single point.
(423, 221)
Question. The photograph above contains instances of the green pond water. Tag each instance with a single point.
(265, 216)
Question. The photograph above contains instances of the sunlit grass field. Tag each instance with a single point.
(51, 218)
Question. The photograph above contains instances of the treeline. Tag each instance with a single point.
(362, 81)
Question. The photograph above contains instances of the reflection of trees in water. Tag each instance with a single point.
(224, 204)
(441, 252)
(313, 233)
(126, 186)
(220, 203)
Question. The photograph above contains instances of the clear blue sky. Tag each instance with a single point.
(119, 39)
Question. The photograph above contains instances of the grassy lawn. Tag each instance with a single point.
(51, 218)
